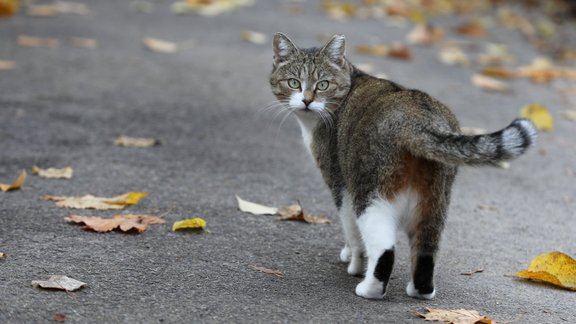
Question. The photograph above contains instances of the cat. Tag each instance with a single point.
(388, 154)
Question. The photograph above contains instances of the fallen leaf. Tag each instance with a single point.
(125, 223)
(8, 7)
(339, 10)
(568, 115)
(101, 203)
(458, 316)
(256, 209)
(453, 55)
(32, 41)
(425, 34)
(160, 46)
(473, 28)
(395, 51)
(59, 282)
(7, 65)
(48, 10)
(496, 54)
(2, 255)
(296, 213)
(17, 184)
(53, 173)
(141, 142)
(81, 42)
(209, 7)
(253, 37)
(68, 7)
(490, 84)
(196, 223)
(539, 115)
(400, 51)
(469, 273)
(498, 72)
(556, 268)
(58, 317)
(277, 273)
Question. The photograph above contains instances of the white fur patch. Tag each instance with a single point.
(353, 248)
(412, 292)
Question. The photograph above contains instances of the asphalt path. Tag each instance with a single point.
(206, 105)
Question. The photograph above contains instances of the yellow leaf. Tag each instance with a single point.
(17, 184)
(8, 7)
(498, 72)
(101, 203)
(135, 141)
(191, 223)
(53, 173)
(556, 268)
(539, 115)
(457, 316)
(256, 209)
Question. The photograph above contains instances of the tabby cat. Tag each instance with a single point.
(388, 154)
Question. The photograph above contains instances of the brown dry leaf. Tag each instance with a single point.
(425, 34)
(568, 115)
(473, 28)
(159, 45)
(124, 223)
(8, 7)
(101, 203)
(542, 70)
(53, 173)
(556, 268)
(7, 65)
(458, 316)
(277, 273)
(59, 282)
(400, 51)
(17, 184)
(253, 37)
(81, 42)
(490, 84)
(296, 213)
(58, 317)
(32, 41)
(141, 142)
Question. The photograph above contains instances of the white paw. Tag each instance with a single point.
(412, 292)
(371, 289)
(356, 266)
(345, 254)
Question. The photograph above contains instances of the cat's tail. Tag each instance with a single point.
(487, 149)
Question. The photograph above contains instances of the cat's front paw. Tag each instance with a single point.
(413, 292)
(371, 289)
(345, 254)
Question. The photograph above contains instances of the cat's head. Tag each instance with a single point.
(310, 79)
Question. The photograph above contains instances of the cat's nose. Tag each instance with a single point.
(307, 102)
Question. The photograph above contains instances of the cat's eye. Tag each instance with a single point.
(322, 85)
(294, 84)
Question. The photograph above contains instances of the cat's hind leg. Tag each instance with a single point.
(353, 248)
(378, 225)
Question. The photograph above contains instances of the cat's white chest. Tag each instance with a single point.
(307, 124)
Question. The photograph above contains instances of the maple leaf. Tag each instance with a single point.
(555, 268)
(59, 282)
(17, 184)
(101, 203)
(124, 223)
(458, 316)
(141, 142)
(196, 223)
(53, 173)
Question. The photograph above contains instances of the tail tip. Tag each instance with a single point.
(518, 137)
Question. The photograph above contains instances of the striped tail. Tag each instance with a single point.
(486, 149)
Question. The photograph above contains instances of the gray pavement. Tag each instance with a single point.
(64, 106)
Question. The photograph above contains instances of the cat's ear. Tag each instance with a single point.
(335, 49)
(283, 48)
